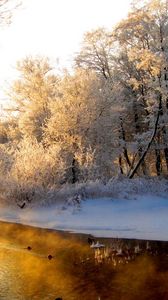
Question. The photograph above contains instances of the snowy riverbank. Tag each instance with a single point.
(143, 217)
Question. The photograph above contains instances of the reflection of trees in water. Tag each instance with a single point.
(121, 253)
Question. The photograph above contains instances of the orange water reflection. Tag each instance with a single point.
(43, 264)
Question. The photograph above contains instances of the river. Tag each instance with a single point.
(46, 264)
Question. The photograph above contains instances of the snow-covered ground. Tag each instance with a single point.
(145, 217)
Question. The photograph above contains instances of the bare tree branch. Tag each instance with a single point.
(6, 10)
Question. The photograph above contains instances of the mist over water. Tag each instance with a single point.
(44, 264)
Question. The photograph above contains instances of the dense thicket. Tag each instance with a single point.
(108, 117)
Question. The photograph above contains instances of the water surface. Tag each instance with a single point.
(45, 264)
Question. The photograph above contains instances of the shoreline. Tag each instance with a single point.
(64, 232)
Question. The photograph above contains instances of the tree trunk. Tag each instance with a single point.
(165, 148)
(138, 129)
(164, 133)
(143, 164)
(166, 79)
(166, 157)
(120, 164)
(74, 171)
(150, 142)
(158, 163)
(122, 136)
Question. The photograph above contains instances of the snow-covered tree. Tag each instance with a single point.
(134, 57)
(81, 121)
(31, 95)
(108, 116)
(142, 39)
